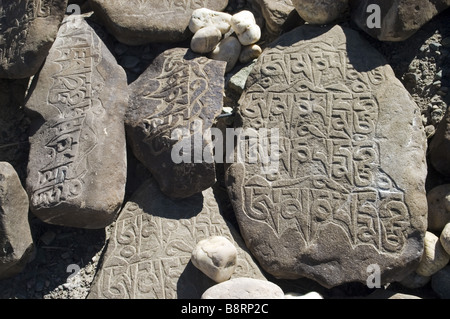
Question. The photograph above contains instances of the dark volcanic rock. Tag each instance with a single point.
(172, 104)
(349, 191)
(77, 165)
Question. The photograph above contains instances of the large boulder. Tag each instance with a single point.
(337, 182)
(77, 166)
(28, 29)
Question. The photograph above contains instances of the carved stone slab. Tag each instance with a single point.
(27, 31)
(77, 165)
(16, 242)
(149, 252)
(349, 191)
(172, 104)
(138, 22)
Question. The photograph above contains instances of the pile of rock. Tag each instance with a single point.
(211, 35)
(337, 186)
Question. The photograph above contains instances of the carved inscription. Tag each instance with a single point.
(330, 170)
(147, 254)
(74, 93)
(169, 5)
(15, 19)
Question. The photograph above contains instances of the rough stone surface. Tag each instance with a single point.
(249, 53)
(320, 12)
(228, 50)
(203, 17)
(415, 281)
(345, 189)
(434, 256)
(244, 288)
(439, 283)
(16, 242)
(206, 39)
(28, 29)
(172, 104)
(440, 147)
(438, 207)
(77, 166)
(216, 257)
(276, 13)
(445, 238)
(138, 22)
(399, 19)
(149, 252)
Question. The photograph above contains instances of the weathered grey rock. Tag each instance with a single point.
(398, 19)
(244, 288)
(320, 12)
(414, 281)
(249, 53)
(216, 257)
(172, 104)
(149, 252)
(16, 242)
(77, 166)
(203, 17)
(245, 27)
(138, 22)
(237, 82)
(28, 29)
(276, 13)
(440, 283)
(206, 39)
(434, 256)
(347, 188)
(439, 152)
(438, 207)
(228, 50)
(445, 238)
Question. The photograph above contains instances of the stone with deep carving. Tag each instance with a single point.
(149, 253)
(343, 188)
(28, 29)
(173, 105)
(77, 165)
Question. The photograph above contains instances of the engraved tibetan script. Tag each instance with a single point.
(72, 136)
(330, 168)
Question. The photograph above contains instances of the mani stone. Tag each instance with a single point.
(344, 185)
(16, 242)
(244, 288)
(27, 31)
(149, 251)
(440, 146)
(77, 164)
(139, 22)
(398, 20)
(172, 104)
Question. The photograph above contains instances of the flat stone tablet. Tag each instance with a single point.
(348, 190)
(77, 165)
(27, 31)
(138, 22)
(149, 252)
(172, 104)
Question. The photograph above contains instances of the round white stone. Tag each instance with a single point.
(227, 50)
(206, 39)
(204, 17)
(244, 24)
